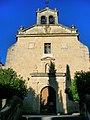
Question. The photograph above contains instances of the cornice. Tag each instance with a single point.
(48, 74)
(47, 35)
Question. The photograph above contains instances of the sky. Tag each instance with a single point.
(14, 13)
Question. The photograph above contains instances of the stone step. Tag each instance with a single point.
(64, 117)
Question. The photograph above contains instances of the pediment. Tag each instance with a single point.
(47, 29)
(47, 10)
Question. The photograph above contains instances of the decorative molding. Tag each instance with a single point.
(48, 74)
(47, 58)
(47, 35)
(47, 29)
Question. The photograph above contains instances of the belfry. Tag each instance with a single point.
(47, 55)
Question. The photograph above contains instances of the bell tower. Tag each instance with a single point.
(47, 16)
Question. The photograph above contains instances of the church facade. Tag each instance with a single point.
(47, 55)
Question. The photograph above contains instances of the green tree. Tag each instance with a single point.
(72, 91)
(80, 86)
(11, 84)
(82, 83)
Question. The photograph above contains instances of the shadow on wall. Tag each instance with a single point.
(60, 99)
(49, 93)
(53, 99)
(30, 102)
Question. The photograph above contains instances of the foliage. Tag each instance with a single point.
(72, 91)
(83, 83)
(80, 86)
(11, 83)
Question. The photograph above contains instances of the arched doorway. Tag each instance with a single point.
(48, 100)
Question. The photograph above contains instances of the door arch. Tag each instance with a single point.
(48, 100)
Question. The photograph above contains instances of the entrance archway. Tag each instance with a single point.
(48, 100)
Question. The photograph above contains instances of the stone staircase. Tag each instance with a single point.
(58, 117)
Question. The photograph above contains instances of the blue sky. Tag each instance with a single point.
(14, 13)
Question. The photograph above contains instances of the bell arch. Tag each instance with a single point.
(43, 20)
(51, 19)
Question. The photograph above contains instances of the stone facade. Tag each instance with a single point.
(47, 55)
